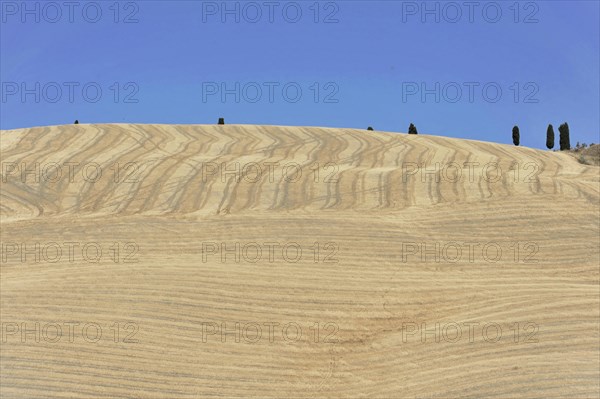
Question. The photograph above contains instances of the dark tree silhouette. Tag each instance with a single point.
(221, 121)
(564, 139)
(412, 129)
(369, 128)
(516, 135)
(550, 137)
(76, 121)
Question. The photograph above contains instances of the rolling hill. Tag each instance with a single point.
(183, 261)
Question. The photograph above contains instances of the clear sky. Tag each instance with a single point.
(469, 69)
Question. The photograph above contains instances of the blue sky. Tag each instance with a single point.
(458, 69)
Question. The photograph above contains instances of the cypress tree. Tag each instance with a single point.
(550, 137)
(221, 121)
(564, 140)
(412, 129)
(561, 137)
(515, 135)
(76, 121)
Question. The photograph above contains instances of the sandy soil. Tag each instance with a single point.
(154, 261)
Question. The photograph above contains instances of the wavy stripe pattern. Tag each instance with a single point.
(387, 213)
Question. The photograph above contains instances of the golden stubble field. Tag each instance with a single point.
(149, 261)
